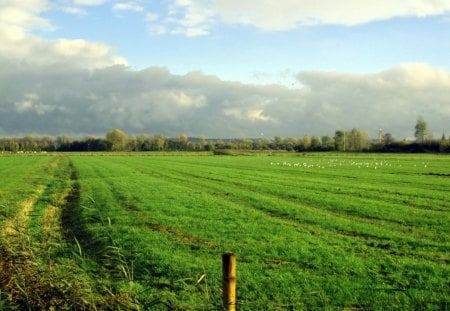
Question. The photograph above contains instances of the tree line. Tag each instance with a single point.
(117, 140)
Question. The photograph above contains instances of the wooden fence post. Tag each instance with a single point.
(229, 281)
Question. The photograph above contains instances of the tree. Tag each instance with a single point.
(328, 143)
(278, 141)
(290, 143)
(12, 145)
(339, 140)
(316, 143)
(357, 140)
(388, 139)
(202, 142)
(143, 142)
(421, 130)
(118, 139)
(306, 141)
(159, 142)
(183, 139)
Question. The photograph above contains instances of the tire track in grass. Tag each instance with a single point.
(125, 201)
(360, 185)
(393, 217)
(30, 274)
(417, 197)
(239, 185)
(145, 246)
(201, 186)
(159, 227)
(325, 267)
(363, 234)
(397, 225)
(270, 260)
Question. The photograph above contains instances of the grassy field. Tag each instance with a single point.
(333, 231)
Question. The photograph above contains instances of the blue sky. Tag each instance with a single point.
(219, 68)
(249, 53)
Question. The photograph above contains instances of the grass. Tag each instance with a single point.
(335, 231)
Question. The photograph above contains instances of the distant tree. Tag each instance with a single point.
(306, 142)
(290, 143)
(209, 146)
(12, 145)
(328, 143)
(118, 139)
(357, 140)
(143, 143)
(183, 140)
(159, 142)
(339, 140)
(388, 139)
(316, 143)
(421, 130)
(202, 142)
(63, 143)
(279, 142)
(97, 144)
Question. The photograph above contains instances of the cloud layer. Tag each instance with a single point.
(19, 18)
(57, 99)
(198, 17)
(75, 86)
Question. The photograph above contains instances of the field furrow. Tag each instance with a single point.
(310, 232)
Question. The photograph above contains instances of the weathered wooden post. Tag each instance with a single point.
(229, 281)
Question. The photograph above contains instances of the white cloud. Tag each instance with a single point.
(191, 18)
(89, 2)
(247, 115)
(23, 15)
(183, 100)
(391, 99)
(288, 14)
(280, 15)
(17, 21)
(58, 99)
(128, 6)
(151, 17)
(156, 29)
(31, 103)
(74, 11)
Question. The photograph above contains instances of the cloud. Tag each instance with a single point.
(74, 11)
(89, 2)
(57, 99)
(288, 14)
(21, 16)
(190, 18)
(246, 115)
(151, 17)
(31, 103)
(392, 99)
(128, 6)
(282, 15)
(18, 19)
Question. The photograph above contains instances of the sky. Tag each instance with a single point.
(224, 68)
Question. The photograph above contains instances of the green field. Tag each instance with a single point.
(147, 231)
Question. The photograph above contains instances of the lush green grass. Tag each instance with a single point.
(317, 231)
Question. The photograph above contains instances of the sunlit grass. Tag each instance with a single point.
(315, 236)
(316, 231)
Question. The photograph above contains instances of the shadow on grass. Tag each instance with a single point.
(73, 222)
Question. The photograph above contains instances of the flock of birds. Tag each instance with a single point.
(334, 163)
